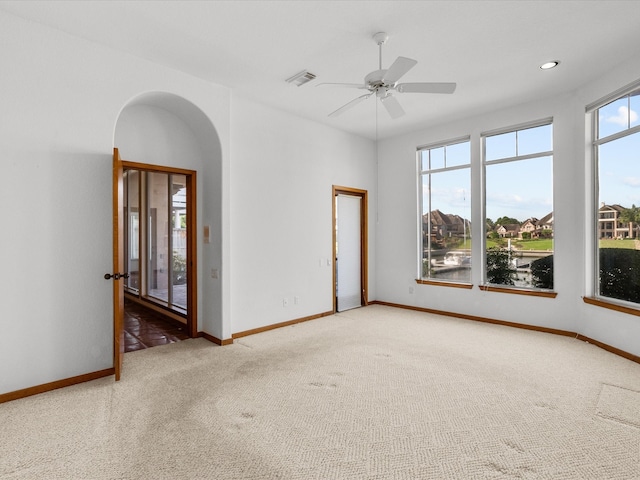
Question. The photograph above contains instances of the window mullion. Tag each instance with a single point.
(521, 157)
(617, 135)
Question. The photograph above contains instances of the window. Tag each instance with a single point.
(617, 214)
(445, 184)
(519, 223)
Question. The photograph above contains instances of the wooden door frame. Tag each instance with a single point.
(364, 240)
(192, 270)
(192, 249)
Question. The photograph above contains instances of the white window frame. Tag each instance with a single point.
(420, 173)
(483, 136)
(593, 267)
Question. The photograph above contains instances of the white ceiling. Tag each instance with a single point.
(492, 49)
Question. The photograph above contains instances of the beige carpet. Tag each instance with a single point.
(372, 393)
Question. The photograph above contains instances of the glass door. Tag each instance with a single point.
(156, 226)
(158, 238)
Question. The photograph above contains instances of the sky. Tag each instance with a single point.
(521, 189)
(524, 188)
(619, 160)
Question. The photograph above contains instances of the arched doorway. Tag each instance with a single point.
(166, 141)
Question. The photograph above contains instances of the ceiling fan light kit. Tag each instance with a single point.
(384, 82)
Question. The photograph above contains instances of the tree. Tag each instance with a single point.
(500, 270)
(490, 224)
(542, 272)
(507, 221)
(619, 276)
(631, 215)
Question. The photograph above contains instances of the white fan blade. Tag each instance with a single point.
(398, 68)
(349, 105)
(348, 85)
(393, 107)
(426, 87)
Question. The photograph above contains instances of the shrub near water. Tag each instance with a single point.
(620, 274)
(542, 272)
(500, 271)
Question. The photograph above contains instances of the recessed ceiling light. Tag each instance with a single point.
(548, 65)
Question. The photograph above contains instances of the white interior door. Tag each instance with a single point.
(348, 253)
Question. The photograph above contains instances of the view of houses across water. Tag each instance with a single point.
(447, 241)
(447, 245)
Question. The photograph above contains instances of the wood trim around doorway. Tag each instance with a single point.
(364, 239)
(192, 237)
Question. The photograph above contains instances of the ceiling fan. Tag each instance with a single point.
(383, 83)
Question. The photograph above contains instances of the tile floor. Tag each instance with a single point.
(145, 328)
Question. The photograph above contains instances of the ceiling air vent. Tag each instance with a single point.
(301, 78)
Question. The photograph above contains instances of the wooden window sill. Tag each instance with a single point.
(518, 291)
(611, 306)
(445, 284)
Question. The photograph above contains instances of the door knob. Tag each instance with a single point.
(115, 276)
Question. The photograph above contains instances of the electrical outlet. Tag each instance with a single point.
(296, 300)
(285, 302)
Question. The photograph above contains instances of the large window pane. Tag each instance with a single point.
(619, 219)
(446, 210)
(519, 209)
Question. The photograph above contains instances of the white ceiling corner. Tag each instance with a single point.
(492, 49)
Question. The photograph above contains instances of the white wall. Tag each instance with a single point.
(270, 196)
(60, 100)
(266, 195)
(282, 172)
(397, 238)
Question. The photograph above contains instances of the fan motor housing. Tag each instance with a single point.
(375, 80)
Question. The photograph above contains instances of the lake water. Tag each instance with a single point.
(462, 274)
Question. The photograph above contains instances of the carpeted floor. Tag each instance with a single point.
(372, 393)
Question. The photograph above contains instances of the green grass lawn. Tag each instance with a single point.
(541, 244)
(522, 244)
(545, 244)
(630, 244)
